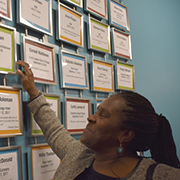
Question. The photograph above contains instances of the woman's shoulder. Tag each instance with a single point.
(165, 172)
(161, 172)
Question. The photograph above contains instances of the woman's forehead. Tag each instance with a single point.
(112, 103)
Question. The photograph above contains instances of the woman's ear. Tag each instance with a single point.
(126, 135)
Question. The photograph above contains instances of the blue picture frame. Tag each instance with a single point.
(16, 150)
(118, 18)
(33, 25)
(68, 59)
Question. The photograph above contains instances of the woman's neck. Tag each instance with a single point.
(114, 165)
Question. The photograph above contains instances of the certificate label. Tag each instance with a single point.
(122, 45)
(9, 163)
(119, 15)
(99, 36)
(125, 73)
(70, 26)
(77, 112)
(103, 76)
(37, 13)
(44, 162)
(9, 112)
(74, 71)
(41, 59)
(98, 7)
(6, 49)
(54, 105)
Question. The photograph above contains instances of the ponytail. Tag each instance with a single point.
(151, 130)
(163, 149)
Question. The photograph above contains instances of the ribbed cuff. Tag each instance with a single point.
(38, 94)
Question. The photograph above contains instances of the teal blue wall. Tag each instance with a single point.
(155, 27)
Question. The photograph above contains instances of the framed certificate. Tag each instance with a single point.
(118, 15)
(99, 36)
(121, 44)
(7, 49)
(10, 163)
(54, 102)
(103, 76)
(41, 56)
(77, 111)
(98, 8)
(6, 9)
(76, 2)
(44, 162)
(70, 26)
(11, 123)
(74, 71)
(125, 76)
(36, 14)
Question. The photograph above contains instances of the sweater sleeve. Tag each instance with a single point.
(56, 135)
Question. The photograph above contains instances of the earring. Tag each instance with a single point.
(120, 149)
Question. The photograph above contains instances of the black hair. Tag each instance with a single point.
(152, 131)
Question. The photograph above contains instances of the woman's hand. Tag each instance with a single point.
(27, 79)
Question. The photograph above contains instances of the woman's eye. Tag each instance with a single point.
(102, 115)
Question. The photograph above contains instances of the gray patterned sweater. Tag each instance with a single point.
(75, 157)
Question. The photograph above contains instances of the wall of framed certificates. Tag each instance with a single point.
(80, 53)
(74, 49)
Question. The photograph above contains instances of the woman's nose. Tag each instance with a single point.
(92, 118)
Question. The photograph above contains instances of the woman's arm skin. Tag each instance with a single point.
(27, 79)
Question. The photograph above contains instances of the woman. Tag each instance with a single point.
(124, 124)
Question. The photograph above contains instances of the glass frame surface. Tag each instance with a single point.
(118, 25)
(66, 39)
(13, 132)
(11, 31)
(126, 37)
(100, 89)
(36, 147)
(77, 57)
(47, 47)
(123, 87)
(33, 25)
(80, 100)
(7, 15)
(94, 47)
(12, 149)
(93, 12)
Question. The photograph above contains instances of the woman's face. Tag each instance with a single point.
(104, 127)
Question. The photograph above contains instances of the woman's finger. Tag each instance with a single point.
(26, 67)
(20, 73)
